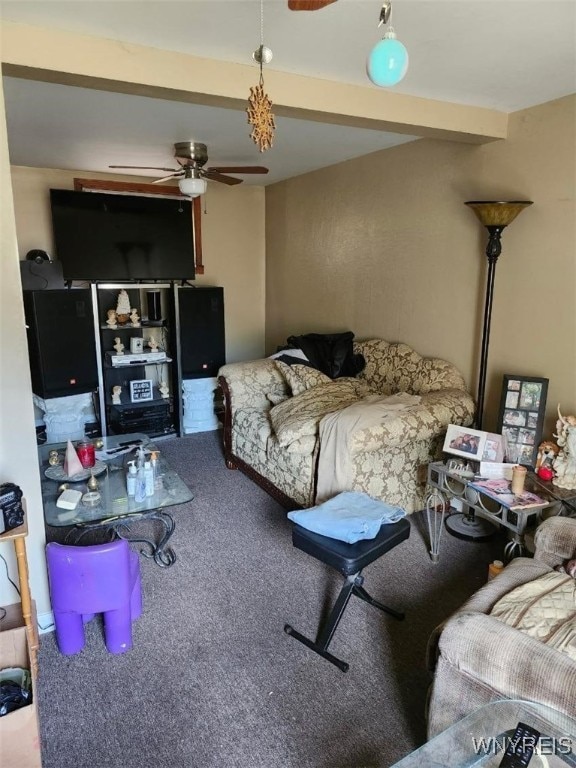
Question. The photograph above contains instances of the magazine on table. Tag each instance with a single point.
(500, 490)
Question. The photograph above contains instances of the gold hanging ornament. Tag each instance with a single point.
(259, 108)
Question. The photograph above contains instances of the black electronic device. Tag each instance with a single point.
(11, 510)
(202, 338)
(152, 419)
(521, 746)
(61, 344)
(100, 236)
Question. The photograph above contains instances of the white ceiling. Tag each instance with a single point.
(501, 54)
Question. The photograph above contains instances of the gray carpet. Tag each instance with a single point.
(214, 682)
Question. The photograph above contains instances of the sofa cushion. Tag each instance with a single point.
(301, 377)
(300, 415)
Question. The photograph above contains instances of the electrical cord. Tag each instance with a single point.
(8, 576)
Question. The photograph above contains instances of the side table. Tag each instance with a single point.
(18, 536)
(447, 485)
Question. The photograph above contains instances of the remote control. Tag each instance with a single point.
(521, 747)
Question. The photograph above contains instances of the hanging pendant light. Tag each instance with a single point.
(388, 61)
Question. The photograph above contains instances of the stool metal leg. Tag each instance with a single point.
(352, 586)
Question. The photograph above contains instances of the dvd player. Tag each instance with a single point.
(141, 358)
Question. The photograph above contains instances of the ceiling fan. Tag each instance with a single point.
(308, 5)
(192, 156)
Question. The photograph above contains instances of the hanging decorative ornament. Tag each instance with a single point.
(259, 108)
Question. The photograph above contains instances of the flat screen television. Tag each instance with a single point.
(107, 237)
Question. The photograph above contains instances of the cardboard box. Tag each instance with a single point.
(19, 734)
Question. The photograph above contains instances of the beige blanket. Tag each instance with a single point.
(336, 431)
(545, 609)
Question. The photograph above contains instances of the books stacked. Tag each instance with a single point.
(499, 489)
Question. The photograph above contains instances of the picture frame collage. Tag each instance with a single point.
(521, 417)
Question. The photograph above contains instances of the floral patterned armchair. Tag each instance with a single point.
(388, 460)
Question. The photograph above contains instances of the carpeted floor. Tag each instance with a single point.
(214, 682)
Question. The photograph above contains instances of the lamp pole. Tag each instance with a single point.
(495, 216)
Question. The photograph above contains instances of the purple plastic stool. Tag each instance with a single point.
(84, 581)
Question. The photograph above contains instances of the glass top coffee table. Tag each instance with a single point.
(481, 738)
(115, 512)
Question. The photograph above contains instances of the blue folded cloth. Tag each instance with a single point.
(349, 517)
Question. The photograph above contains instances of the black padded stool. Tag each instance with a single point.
(350, 560)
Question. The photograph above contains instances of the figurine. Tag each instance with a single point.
(547, 452)
(116, 392)
(111, 322)
(134, 318)
(564, 464)
(153, 344)
(164, 389)
(118, 346)
(123, 308)
(53, 458)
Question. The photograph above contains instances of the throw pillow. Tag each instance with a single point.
(300, 415)
(301, 377)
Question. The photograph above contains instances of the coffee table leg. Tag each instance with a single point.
(161, 554)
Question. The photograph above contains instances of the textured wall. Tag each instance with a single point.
(384, 246)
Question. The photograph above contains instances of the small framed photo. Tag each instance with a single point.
(464, 441)
(141, 390)
(493, 448)
(521, 417)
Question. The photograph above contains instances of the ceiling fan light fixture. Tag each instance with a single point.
(192, 187)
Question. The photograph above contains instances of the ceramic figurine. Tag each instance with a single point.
(116, 392)
(118, 346)
(547, 452)
(164, 389)
(111, 322)
(123, 308)
(134, 318)
(564, 464)
(153, 344)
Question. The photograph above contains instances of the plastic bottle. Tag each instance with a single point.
(148, 479)
(157, 477)
(140, 493)
(495, 568)
(131, 478)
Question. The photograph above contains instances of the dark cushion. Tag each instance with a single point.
(350, 558)
(331, 353)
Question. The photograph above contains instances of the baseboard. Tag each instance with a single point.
(45, 622)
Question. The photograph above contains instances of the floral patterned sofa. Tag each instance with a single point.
(271, 426)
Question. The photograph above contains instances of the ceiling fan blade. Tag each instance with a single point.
(308, 5)
(215, 176)
(172, 177)
(143, 167)
(238, 169)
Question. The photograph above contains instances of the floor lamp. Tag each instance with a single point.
(495, 216)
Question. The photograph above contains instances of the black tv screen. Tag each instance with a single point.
(106, 237)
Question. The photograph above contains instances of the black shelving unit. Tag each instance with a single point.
(156, 415)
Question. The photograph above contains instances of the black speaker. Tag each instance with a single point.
(202, 341)
(61, 344)
(43, 276)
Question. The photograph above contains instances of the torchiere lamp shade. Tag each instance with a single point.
(492, 213)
